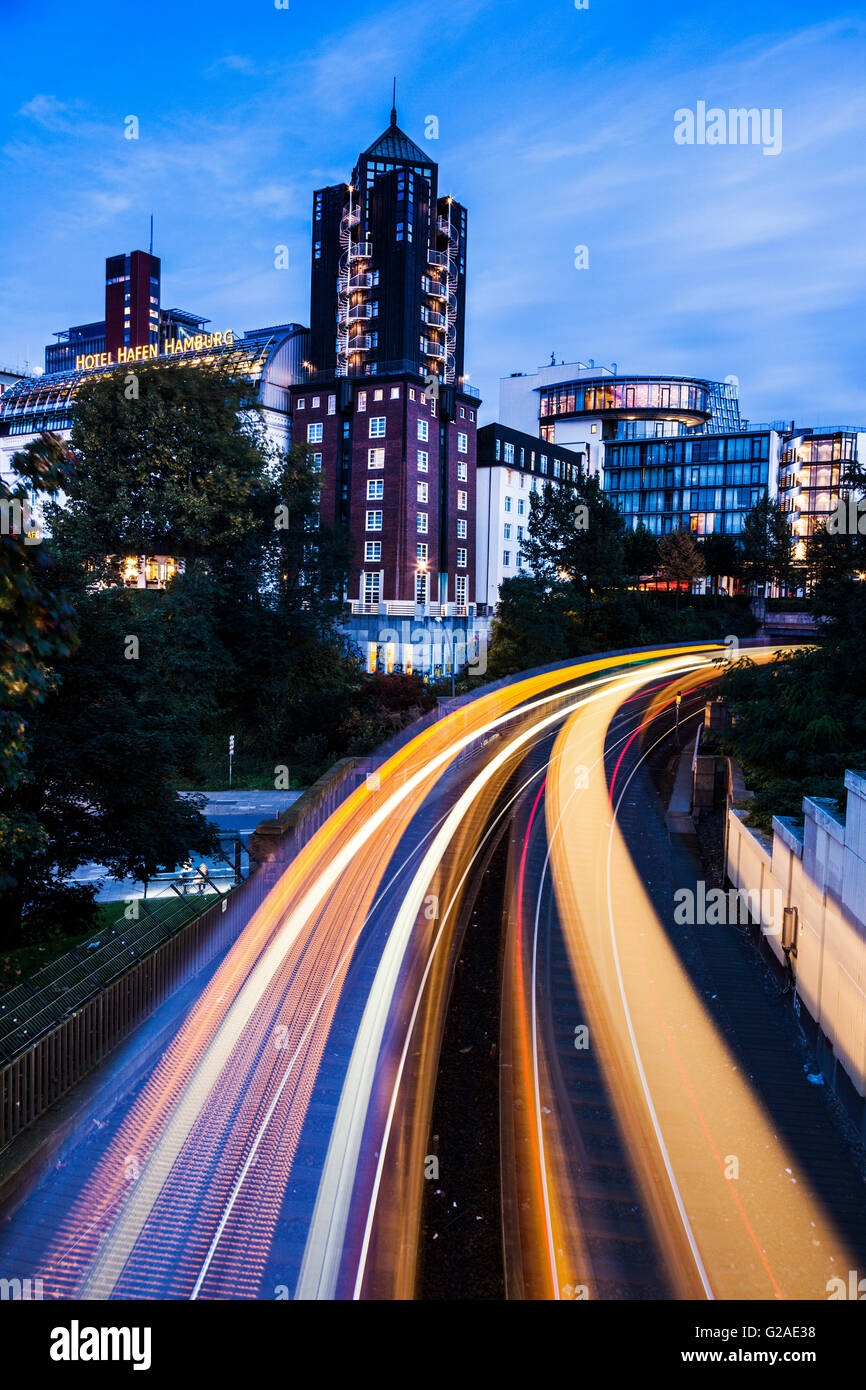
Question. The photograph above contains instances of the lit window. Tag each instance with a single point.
(422, 492)
(422, 523)
(462, 471)
(374, 521)
(362, 400)
(462, 443)
(423, 431)
(314, 433)
(375, 489)
(377, 395)
(395, 393)
(332, 405)
(462, 500)
(375, 458)
(411, 393)
(377, 426)
(315, 403)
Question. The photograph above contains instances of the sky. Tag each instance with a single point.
(555, 127)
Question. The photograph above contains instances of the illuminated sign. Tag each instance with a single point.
(197, 342)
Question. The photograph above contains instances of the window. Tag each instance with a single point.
(395, 393)
(462, 413)
(462, 471)
(377, 426)
(375, 458)
(422, 582)
(462, 528)
(374, 521)
(372, 551)
(521, 506)
(377, 395)
(422, 523)
(520, 533)
(422, 460)
(422, 552)
(543, 463)
(300, 403)
(317, 460)
(508, 504)
(461, 558)
(460, 588)
(508, 452)
(411, 393)
(422, 492)
(506, 530)
(332, 405)
(314, 433)
(375, 489)
(462, 500)
(315, 403)
(371, 587)
(423, 431)
(496, 448)
(506, 558)
(472, 415)
(362, 400)
(462, 443)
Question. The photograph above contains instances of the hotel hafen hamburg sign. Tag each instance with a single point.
(197, 342)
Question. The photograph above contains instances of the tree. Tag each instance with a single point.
(37, 628)
(767, 544)
(576, 535)
(721, 557)
(680, 560)
(530, 627)
(641, 552)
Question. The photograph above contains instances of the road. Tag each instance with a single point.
(279, 1148)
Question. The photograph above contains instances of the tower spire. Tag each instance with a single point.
(394, 105)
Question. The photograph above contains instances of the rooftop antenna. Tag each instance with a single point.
(394, 104)
(553, 359)
(151, 233)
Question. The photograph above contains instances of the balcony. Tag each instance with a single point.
(363, 281)
(433, 319)
(351, 219)
(433, 288)
(356, 312)
(362, 342)
(361, 251)
(438, 258)
(433, 349)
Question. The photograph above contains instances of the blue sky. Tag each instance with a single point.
(555, 128)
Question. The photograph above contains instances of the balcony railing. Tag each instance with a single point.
(437, 258)
(433, 349)
(433, 288)
(448, 229)
(351, 219)
(435, 320)
(362, 342)
(360, 251)
(363, 281)
(356, 312)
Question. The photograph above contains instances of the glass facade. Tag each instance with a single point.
(624, 394)
(701, 483)
(811, 471)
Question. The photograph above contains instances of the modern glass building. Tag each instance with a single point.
(813, 465)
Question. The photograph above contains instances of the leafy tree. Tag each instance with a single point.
(721, 558)
(641, 552)
(577, 535)
(767, 544)
(531, 625)
(680, 559)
